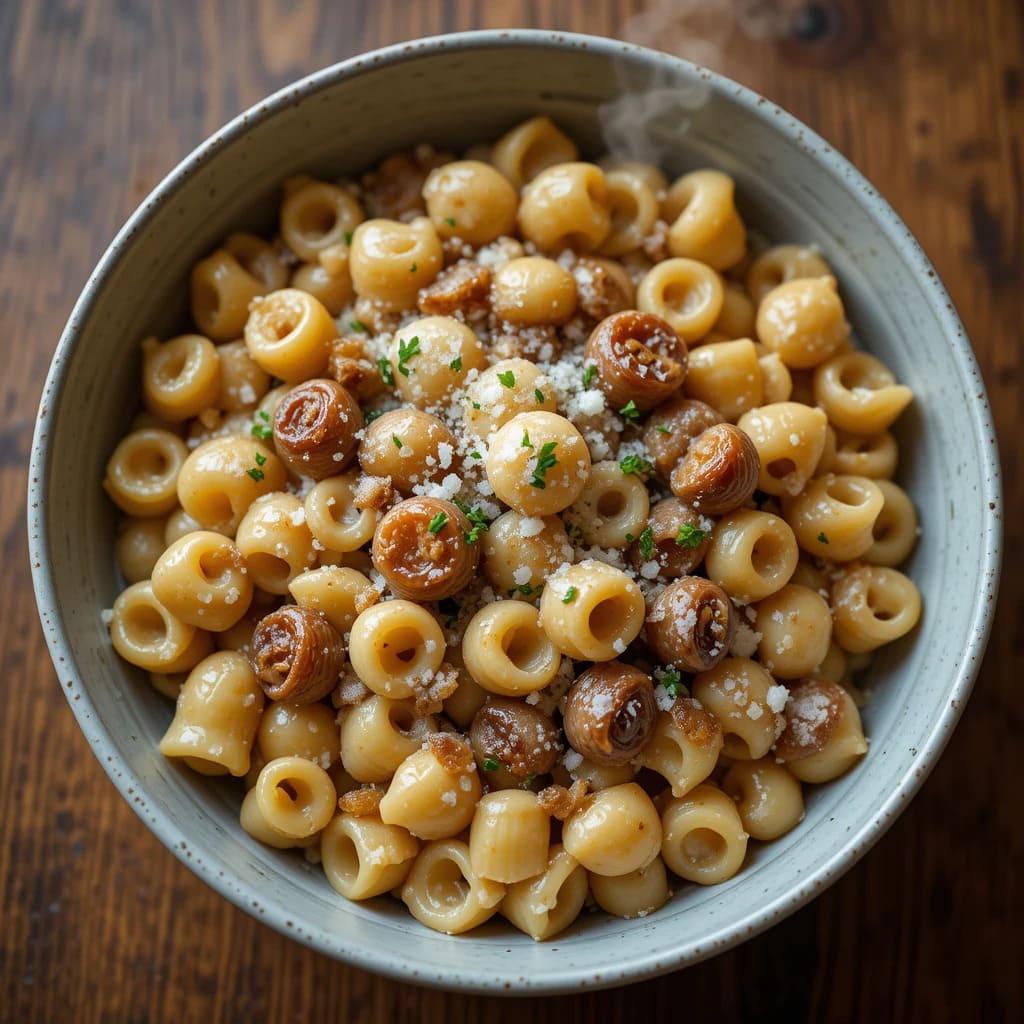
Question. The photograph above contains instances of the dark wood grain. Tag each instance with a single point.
(98, 99)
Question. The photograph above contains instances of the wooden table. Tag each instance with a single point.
(98, 99)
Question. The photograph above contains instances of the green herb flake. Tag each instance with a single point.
(260, 459)
(526, 590)
(630, 412)
(412, 269)
(630, 538)
(369, 415)
(507, 379)
(456, 364)
(635, 464)
(397, 441)
(570, 596)
(262, 431)
(358, 325)
(690, 537)
(450, 221)
(528, 781)
(476, 405)
(256, 474)
(475, 455)
(406, 351)
(477, 521)
(525, 443)
(646, 543)
(490, 764)
(438, 523)
(671, 678)
(263, 415)
(348, 237)
(662, 429)
(588, 376)
(545, 460)
(539, 395)
(386, 373)
(822, 538)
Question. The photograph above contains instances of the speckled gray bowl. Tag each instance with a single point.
(453, 91)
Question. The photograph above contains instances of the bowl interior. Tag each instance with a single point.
(454, 92)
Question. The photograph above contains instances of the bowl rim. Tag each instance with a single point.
(648, 963)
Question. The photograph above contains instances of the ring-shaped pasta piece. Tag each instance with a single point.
(264, 260)
(796, 628)
(396, 646)
(859, 393)
(704, 224)
(781, 264)
(431, 357)
(592, 611)
(216, 716)
(531, 147)
(362, 857)
(738, 316)
(874, 456)
(704, 839)
(143, 470)
(316, 215)
(470, 200)
(390, 261)
(686, 294)
(727, 376)
(803, 322)
(616, 831)
(637, 894)
(790, 439)
(833, 516)
(566, 207)
(410, 446)
(292, 800)
(203, 580)
(180, 377)
(340, 593)
(242, 382)
(275, 541)
(633, 209)
(328, 281)
(895, 530)
(612, 507)
(872, 606)
(684, 747)
(503, 390)
(737, 692)
(509, 836)
(546, 905)
(220, 290)
(146, 634)
(333, 518)
(776, 380)
(299, 730)
(752, 554)
(140, 543)
(289, 334)
(506, 650)
(444, 893)
(379, 734)
(769, 799)
(521, 552)
(532, 291)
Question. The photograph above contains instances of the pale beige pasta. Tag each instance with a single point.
(833, 516)
(737, 691)
(502, 391)
(444, 893)
(379, 734)
(596, 776)
(332, 517)
(390, 261)
(180, 377)
(684, 749)
(146, 634)
(289, 334)
(538, 463)
(316, 215)
(408, 445)
(439, 352)
(612, 509)
(546, 905)
(833, 667)
(796, 628)
(738, 315)
(533, 291)
(832, 722)
(143, 470)
(790, 439)
(470, 200)
(266, 261)
(242, 382)
(509, 836)
(216, 717)
(781, 264)
(220, 292)
(727, 376)
(637, 894)
(633, 208)
(300, 730)
(686, 294)
(433, 798)
(140, 542)
(469, 696)
(292, 800)
(803, 321)
(652, 176)
(704, 839)
(340, 592)
(873, 455)
(506, 650)
(872, 606)
(202, 579)
(895, 530)
(776, 380)
(752, 554)
(396, 646)
(592, 611)
(275, 541)
(362, 857)
(168, 684)
(615, 832)
(566, 207)
(520, 552)
(769, 799)
(705, 225)
(859, 393)
(328, 280)
(531, 147)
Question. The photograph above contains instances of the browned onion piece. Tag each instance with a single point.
(813, 711)
(677, 551)
(719, 472)
(602, 286)
(315, 428)
(464, 287)
(691, 624)
(638, 357)
(519, 737)
(610, 712)
(421, 564)
(672, 427)
(297, 655)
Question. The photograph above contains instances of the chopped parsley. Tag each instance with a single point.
(662, 429)
(262, 430)
(256, 474)
(490, 764)
(507, 378)
(526, 590)
(545, 460)
(539, 395)
(476, 405)
(823, 538)
(260, 459)
(358, 325)
(348, 237)
(406, 350)
(477, 520)
(630, 538)
(397, 441)
(525, 443)
(475, 455)
(588, 376)
(438, 523)
(635, 464)
(690, 537)
(646, 542)
(671, 678)
(630, 412)
(528, 781)
(412, 269)
(386, 373)
(456, 364)
(369, 415)
(450, 221)
(570, 596)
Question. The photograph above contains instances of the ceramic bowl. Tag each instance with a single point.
(454, 91)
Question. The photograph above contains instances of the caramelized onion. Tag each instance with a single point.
(679, 539)
(691, 624)
(719, 472)
(519, 737)
(672, 427)
(315, 427)
(297, 655)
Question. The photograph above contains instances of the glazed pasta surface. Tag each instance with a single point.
(511, 525)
